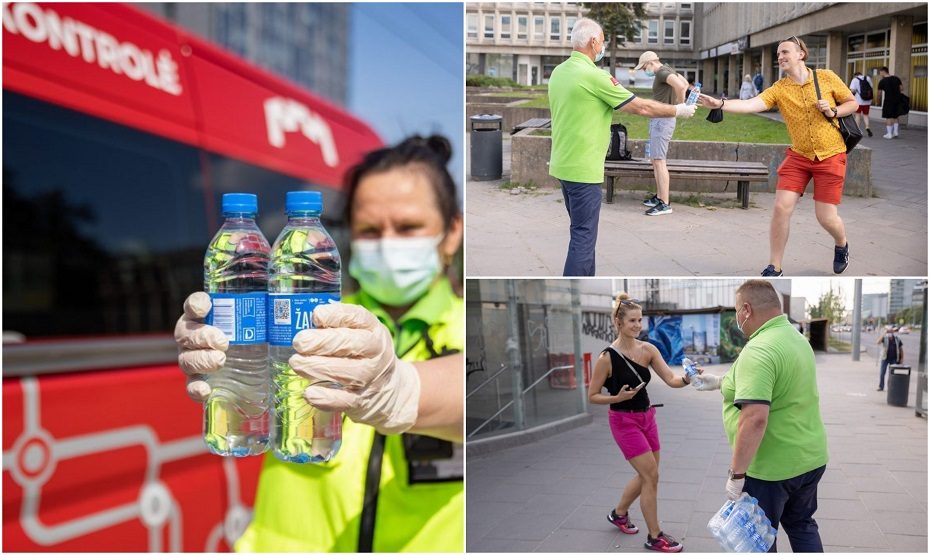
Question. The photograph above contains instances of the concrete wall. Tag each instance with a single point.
(513, 115)
(530, 158)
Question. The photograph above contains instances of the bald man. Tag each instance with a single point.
(771, 415)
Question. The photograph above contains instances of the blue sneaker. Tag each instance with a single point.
(770, 271)
(650, 202)
(840, 258)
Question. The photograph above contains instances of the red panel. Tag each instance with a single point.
(96, 471)
(160, 79)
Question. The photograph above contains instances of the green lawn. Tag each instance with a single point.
(735, 128)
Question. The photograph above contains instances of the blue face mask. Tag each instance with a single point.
(600, 55)
(650, 73)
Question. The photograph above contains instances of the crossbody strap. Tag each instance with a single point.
(628, 365)
(817, 88)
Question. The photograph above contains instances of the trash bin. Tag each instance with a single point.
(486, 147)
(899, 382)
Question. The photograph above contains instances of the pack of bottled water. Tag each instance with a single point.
(691, 371)
(742, 527)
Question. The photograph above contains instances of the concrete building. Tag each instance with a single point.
(715, 42)
(526, 40)
(904, 293)
(875, 305)
(307, 43)
(798, 310)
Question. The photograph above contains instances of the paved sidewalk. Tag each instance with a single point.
(527, 234)
(554, 495)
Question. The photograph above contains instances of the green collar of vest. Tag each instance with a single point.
(582, 58)
(428, 309)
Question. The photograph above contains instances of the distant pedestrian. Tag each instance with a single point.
(892, 90)
(747, 90)
(817, 149)
(668, 88)
(757, 81)
(892, 353)
(861, 87)
(582, 100)
(623, 368)
(771, 415)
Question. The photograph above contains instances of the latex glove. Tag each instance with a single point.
(734, 488)
(201, 348)
(350, 347)
(685, 110)
(707, 382)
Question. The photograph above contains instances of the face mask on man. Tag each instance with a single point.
(740, 326)
(600, 55)
(649, 72)
(396, 272)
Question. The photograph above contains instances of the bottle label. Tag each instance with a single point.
(293, 312)
(240, 316)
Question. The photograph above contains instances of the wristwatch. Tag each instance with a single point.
(835, 112)
(733, 476)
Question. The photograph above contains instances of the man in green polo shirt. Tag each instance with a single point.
(771, 415)
(582, 99)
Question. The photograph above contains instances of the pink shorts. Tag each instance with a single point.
(635, 432)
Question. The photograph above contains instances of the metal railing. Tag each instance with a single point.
(489, 419)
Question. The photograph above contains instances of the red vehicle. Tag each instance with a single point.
(120, 134)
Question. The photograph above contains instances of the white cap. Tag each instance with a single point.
(647, 56)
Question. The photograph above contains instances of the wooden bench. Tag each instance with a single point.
(707, 170)
(535, 123)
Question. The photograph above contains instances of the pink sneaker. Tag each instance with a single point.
(664, 543)
(622, 522)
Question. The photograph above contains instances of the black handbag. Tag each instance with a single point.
(846, 124)
(904, 105)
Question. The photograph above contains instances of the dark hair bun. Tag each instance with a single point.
(440, 147)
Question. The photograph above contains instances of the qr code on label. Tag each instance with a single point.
(282, 312)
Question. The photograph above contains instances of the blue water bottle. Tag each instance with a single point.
(305, 272)
(235, 274)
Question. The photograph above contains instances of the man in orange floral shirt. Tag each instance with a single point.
(817, 150)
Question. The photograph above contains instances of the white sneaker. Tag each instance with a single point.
(887, 136)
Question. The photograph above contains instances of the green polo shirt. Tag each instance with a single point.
(582, 99)
(435, 321)
(776, 367)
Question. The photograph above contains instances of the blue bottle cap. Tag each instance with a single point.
(697, 84)
(303, 201)
(240, 203)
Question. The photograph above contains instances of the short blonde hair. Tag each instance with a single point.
(623, 303)
(800, 44)
(759, 293)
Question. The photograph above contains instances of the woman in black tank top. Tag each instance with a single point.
(623, 369)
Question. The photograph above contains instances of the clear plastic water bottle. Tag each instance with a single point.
(693, 95)
(691, 372)
(648, 151)
(305, 271)
(741, 526)
(237, 413)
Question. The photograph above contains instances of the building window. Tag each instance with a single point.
(555, 28)
(653, 31)
(669, 35)
(489, 26)
(685, 37)
(539, 27)
(505, 26)
(685, 6)
(472, 20)
(522, 23)
(637, 32)
(569, 25)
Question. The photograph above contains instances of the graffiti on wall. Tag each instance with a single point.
(598, 325)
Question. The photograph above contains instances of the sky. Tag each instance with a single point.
(813, 288)
(407, 73)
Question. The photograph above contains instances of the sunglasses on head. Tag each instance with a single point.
(795, 39)
(629, 302)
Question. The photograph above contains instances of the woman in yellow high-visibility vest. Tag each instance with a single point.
(384, 491)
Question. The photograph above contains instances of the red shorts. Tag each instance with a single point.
(796, 171)
(863, 109)
(635, 432)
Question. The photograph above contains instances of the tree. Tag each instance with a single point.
(831, 306)
(619, 21)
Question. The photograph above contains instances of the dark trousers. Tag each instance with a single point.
(792, 503)
(583, 202)
(881, 375)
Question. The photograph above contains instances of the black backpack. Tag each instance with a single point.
(865, 89)
(618, 143)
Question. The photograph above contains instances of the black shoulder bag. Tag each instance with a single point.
(846, 124)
